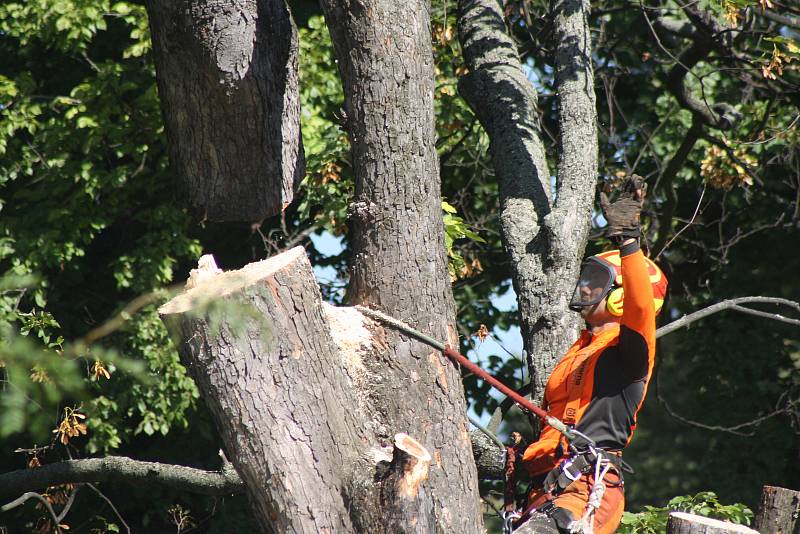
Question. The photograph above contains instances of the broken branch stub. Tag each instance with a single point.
(402, 490)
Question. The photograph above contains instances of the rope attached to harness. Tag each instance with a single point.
(577, 440)
(462, 360)
(585, 525)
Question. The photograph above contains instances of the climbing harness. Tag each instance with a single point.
(585, 524)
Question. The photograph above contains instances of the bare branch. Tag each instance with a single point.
(33, 495)
(781, 19)
(731, 304)
(737, 429)
(68, 504)
(774, 316)
(118, 469)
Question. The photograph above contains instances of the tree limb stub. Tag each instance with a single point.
(117, 469)
(402, 493)
(411, 461)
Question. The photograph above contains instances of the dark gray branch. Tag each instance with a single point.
(118, 469)
(731, 304)
(22, 499)
(717, 116)
(680, 28)
(706, 36)
(781, 19)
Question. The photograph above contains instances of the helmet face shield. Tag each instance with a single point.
(595, 282)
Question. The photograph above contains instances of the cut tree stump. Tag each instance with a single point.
(401, 487)
(779, 511)
(258, 344)
(683, 523)
(290, 383)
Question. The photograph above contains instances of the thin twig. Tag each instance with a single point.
(32, 495)
(691, 221)
(111, 504)
(735, 429)
(116, 322)
(773, 316)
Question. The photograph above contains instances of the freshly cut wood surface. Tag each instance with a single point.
(225, 283)
(683, 523)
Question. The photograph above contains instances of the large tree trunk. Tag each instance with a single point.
(544, 238)
(293, 387)
(228, 85)
(398, 262)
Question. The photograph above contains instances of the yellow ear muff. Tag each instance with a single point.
(614, 302)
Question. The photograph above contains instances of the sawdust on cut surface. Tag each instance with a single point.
(213, 284)
(351, 337)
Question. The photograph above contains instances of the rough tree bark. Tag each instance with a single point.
(301, 405)
(228, 85)
(398, 263)
(544, 238)
(270, 374)
(779, 511)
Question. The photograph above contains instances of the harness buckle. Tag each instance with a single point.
(569, 474)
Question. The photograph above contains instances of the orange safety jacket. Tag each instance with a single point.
(601, 382)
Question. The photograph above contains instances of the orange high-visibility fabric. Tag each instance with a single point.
(565, 398)
(606, 518)
(571, 388)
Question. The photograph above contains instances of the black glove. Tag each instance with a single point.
(623, 214)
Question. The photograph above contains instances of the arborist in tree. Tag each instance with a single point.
(599, 385)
